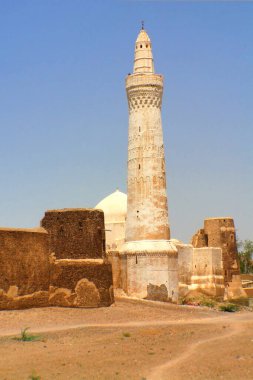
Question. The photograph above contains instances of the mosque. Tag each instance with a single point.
(146, 262)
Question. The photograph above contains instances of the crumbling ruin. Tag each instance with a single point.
(62, 264)
(220, 233)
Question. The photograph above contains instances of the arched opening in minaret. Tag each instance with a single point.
(139, 166)
(140, 46)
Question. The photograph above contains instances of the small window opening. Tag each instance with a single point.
(139, 166)
(146, 46)
(136, 260)
(140, 46)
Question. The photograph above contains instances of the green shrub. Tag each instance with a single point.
(26, 337)
(229, 307)
(207, 302)
(33, 376)
(126, 335)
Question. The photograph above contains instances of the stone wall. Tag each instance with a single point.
(220, 233)
(149, 269)
(115, 260)
(200, 269)
(24, 268)
(75, 233)
(31, 275)
(152, 276)
(81, 283)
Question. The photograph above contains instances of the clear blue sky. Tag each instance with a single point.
(63, 108)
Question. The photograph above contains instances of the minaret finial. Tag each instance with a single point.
(142, 25)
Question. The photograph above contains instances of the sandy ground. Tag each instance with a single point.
(129, 340)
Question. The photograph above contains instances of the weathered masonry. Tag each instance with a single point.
(148, 258)
(61, 264)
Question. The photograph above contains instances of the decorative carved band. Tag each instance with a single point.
(136, 102)
(144, 96)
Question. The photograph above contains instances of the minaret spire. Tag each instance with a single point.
(143, 57)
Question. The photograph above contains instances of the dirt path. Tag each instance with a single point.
(151, 323)
(159, 372)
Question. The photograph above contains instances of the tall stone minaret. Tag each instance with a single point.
(147, 210)
(149, 259)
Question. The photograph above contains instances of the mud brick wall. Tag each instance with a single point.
(75, 233)
(221, 233)
(93, 276)
(24, 261)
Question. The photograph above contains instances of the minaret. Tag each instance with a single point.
(149, 259)
(147, 210)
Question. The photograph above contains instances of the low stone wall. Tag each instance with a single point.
(24, 268)
(200, 269)
(31, 275)
(81, 283)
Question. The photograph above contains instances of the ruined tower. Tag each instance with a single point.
(150, 257)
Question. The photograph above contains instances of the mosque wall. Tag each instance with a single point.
(115, 235)
(116, 263)
(152, 276)
(200, 269)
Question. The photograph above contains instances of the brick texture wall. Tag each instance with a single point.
(75, 233)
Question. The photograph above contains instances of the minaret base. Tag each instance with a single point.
(150, 270)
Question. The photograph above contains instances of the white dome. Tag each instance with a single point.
(114, 207)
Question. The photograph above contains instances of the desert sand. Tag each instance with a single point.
(134, 340)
